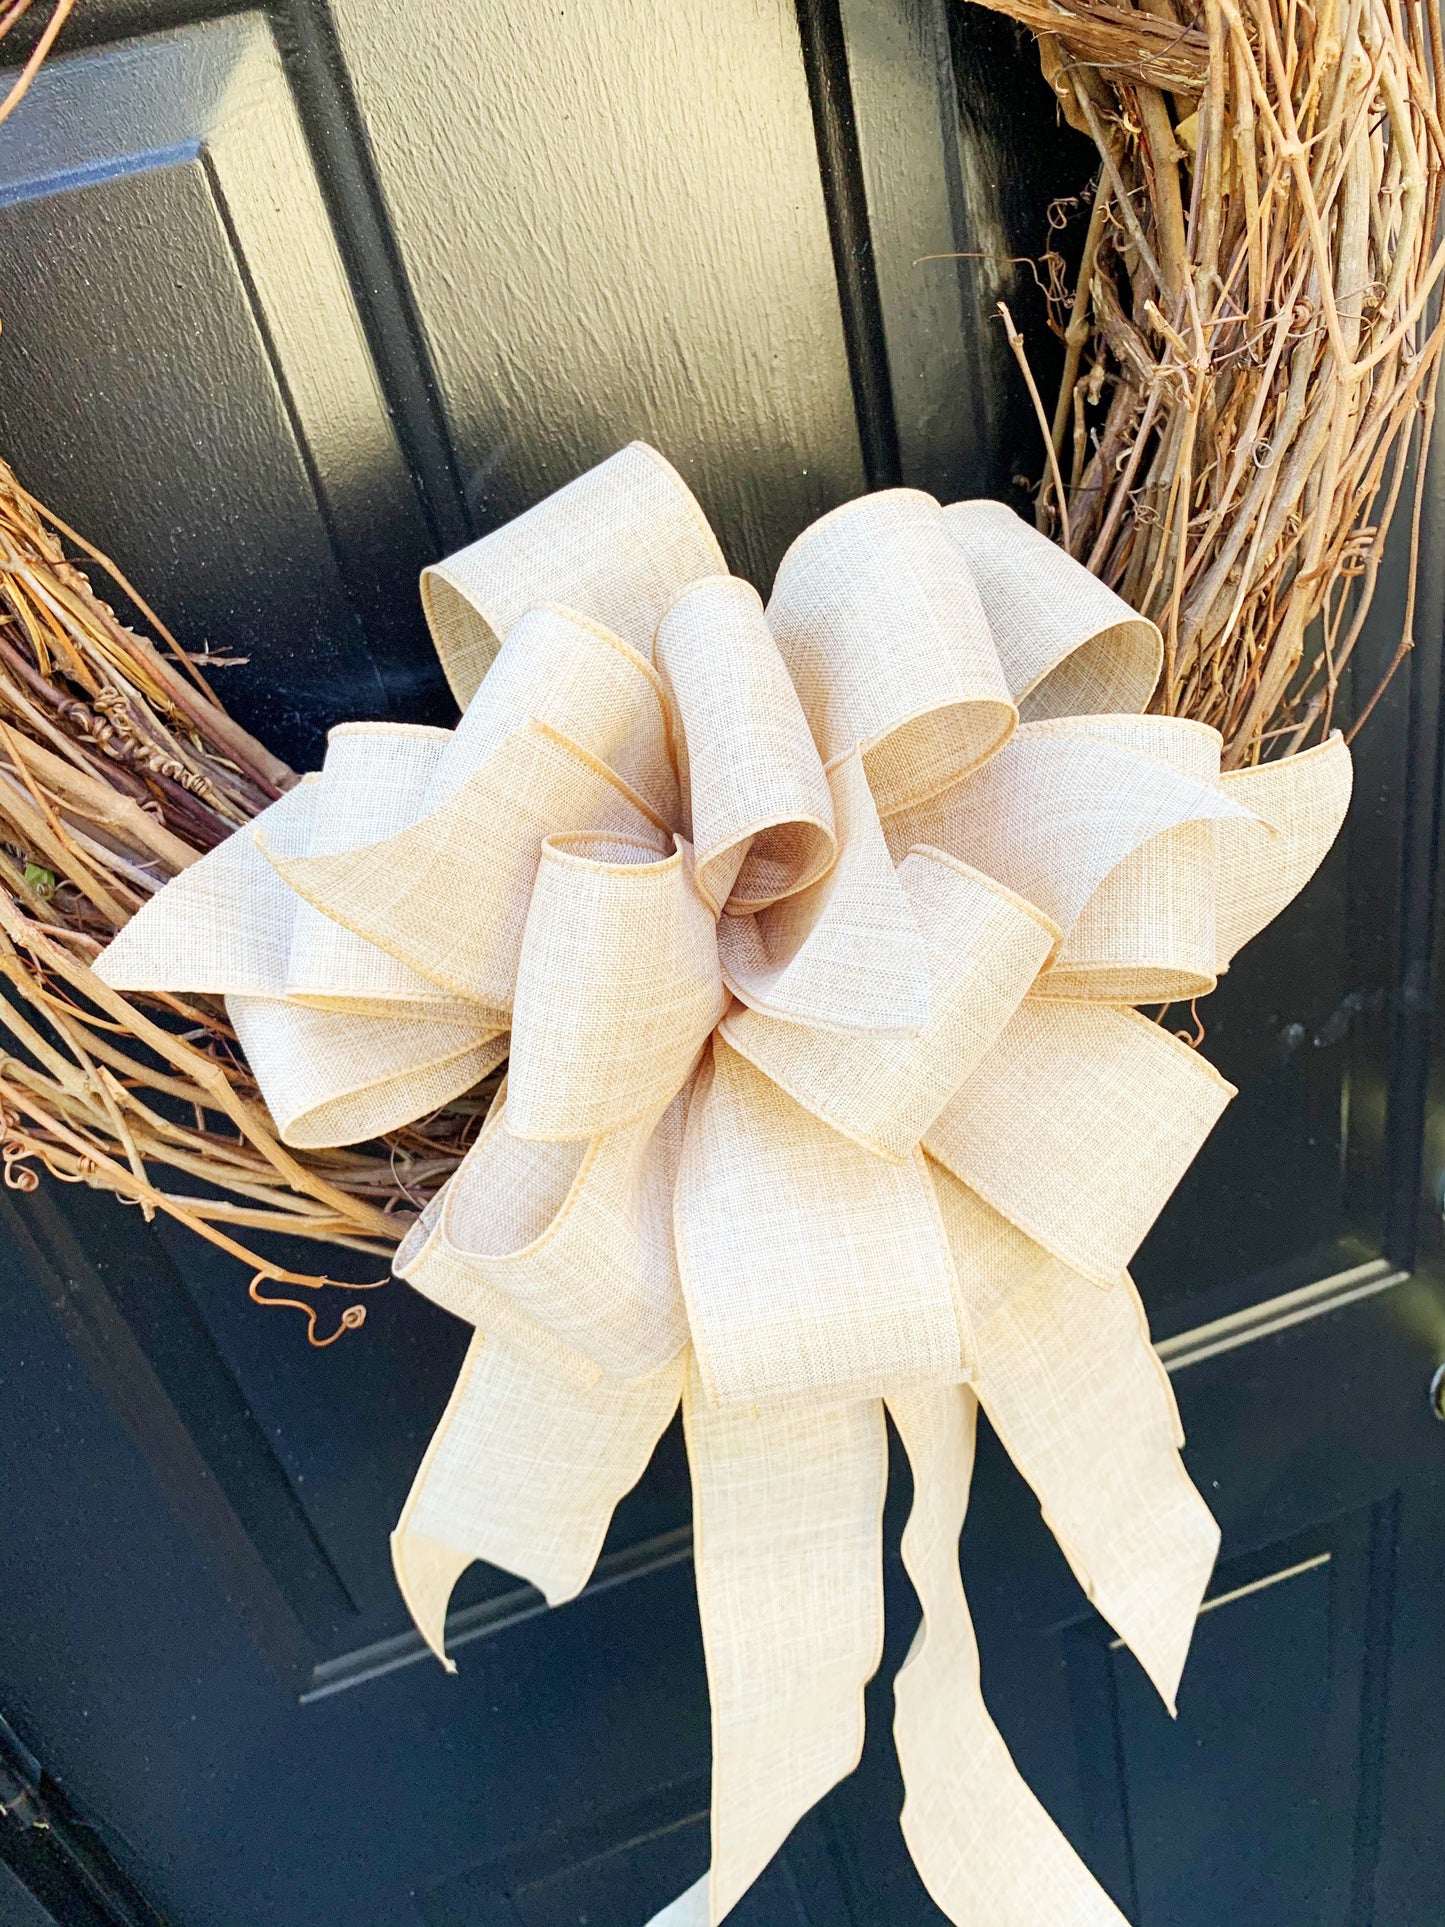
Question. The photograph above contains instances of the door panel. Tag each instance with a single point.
(298, 307)
(289, 1472)
(1254, 1781)
(188, 382)
(624, 1870)
(579, 1738)
(957, 178)
(220, 1793)
(612, 223)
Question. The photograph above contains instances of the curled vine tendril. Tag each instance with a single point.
(351, 1319)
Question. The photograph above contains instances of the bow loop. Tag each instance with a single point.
(1147, 934)
(618, 986)
(881, 626)
(760, 811)
(1106, 823)
(479, 849)
(1067, 644)
(562, 1247)
(372, 784)
(1077, 1126)
(846, 954)
(984, 947)
(222, 926)
(333, 1078)
(225, 927)
(618, 544)
(587, 686)
(1298, 807)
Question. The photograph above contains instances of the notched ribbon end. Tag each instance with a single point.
(426, 1571)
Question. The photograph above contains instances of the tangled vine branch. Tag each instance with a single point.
(1251, 343)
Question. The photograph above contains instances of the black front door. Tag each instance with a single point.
(297, 298)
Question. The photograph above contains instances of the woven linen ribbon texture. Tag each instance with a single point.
(813, 935)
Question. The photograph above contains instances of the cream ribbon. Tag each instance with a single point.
(813, 935)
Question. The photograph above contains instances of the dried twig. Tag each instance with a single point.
(1131, 44)
(117, 769)
(1250, 379)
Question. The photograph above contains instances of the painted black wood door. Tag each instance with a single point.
(297, 297)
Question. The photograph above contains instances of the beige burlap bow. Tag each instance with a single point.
(812, 934)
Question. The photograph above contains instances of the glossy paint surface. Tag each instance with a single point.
(294, 299)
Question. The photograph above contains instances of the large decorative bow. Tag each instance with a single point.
(813, 935)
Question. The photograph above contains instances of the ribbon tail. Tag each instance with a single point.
(787, 1522)
(1077, 1394)
(986, 1850)
(1084, 1408)
(427, 1571)
(524, 1471)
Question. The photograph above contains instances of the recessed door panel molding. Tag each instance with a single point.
(612, 222)
(947, 403)
(1266, 1778)
(957, 174)
(186, 378)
